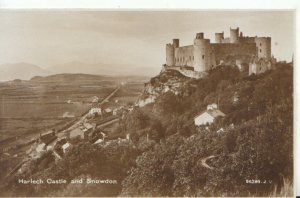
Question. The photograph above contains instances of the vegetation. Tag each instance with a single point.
(258, 147)
(165, 156)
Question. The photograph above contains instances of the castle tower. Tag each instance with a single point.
(263, 45)
(170, 52)
(219, 37)
(201, 53)
(200, 35)
(175, 43)
(234, 35)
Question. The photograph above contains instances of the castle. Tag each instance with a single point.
(252, 52)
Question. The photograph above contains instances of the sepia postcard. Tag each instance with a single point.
(147, 103)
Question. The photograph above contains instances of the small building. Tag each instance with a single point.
(66, 147)
(95, 110)
(208, 116)
(40, 148)
(108, 111)
(115, 111)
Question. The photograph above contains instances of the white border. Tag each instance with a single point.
(188, 5)
(150, 4)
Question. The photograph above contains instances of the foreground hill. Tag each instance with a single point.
(256, 144)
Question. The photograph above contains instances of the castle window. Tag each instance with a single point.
(193, 57)
(260, 50)
(202, 56)
(259, 44)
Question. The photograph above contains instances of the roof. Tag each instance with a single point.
(98, 141)
(108, 110)
(66, 145)
(48, 137)
(215, 113)
(88, 125)
(212, 112)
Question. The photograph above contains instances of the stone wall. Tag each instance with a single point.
(184, 56)
(223, 50)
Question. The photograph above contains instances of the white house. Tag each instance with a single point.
(108, 110)
(95, 110)
(66, 147)
(208, 116)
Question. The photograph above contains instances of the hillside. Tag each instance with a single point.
(169, 156)
(256, 142)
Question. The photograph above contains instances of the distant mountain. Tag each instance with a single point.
(26, 71)
(100, 69)
(23, 71)
(85, 77)
(67, 77)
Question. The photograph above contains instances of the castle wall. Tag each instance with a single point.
(260, 66)
(226, 40)
(223, 51)
(247, 39)
(263, 47)
(203, 55)
(184, 56)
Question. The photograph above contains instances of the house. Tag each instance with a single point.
(108, 111)
(95, 110)
(40, 148)
(115, 111)
(66, 147)
(208, 116)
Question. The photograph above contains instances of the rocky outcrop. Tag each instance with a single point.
(167, 80)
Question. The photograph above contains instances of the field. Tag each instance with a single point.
(28, 108)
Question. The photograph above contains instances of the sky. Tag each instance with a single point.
(131, 39)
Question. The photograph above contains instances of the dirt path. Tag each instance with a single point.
(204, 164)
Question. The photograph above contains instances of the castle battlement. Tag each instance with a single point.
(203, 55)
